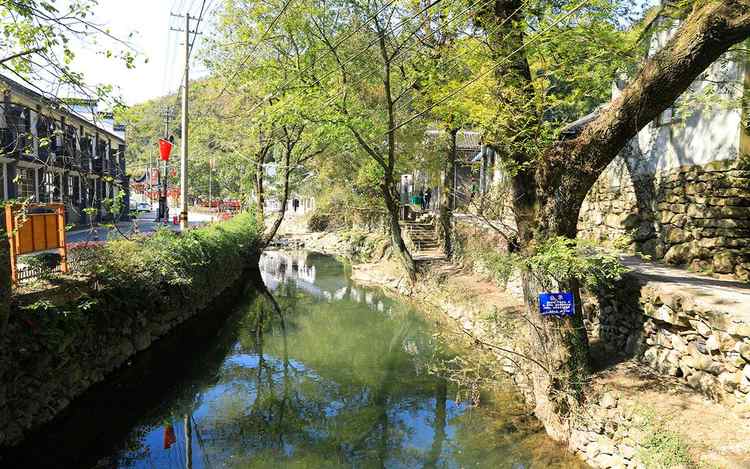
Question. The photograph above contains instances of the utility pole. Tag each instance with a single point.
(185, 122)
(167, 113)
(184, 155)
(210, 186)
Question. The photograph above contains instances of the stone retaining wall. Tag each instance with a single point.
(697, 216)
(707, 348)
(58, 343)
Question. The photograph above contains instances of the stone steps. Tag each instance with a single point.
(425, 240)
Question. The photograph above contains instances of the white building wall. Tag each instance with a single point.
(711, 127)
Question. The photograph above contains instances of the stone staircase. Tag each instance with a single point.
(424, 238)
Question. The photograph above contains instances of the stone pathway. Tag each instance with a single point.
(712, 295)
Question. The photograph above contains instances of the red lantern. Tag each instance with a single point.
(165, 148)
(169, 436)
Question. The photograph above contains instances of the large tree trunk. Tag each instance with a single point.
(271, 232)
(397, 239)
(557, 348)
(446, 195)
(548, 190)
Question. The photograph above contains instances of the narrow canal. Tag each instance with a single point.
(312, 372)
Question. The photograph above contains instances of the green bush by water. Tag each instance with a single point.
(195, 261)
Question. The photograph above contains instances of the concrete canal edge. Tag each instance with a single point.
(46, 365)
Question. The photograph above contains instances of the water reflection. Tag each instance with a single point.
(315, 371)
(299, 268)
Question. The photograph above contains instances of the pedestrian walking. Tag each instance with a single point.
(427, 196)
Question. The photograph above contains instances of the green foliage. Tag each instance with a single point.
(623, 243)
(46, 260)
(167, 272)
(500, 265)
(167, 259)
(318, 221)
(662, 448)
(38, 39)
(561, 259)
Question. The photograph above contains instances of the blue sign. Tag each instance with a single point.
(557, 304)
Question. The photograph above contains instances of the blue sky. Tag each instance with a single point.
(149, 22)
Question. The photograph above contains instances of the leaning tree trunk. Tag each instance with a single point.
(271, 232)
(446, 195)
(557, 347)
(548, 191)
(397, 238)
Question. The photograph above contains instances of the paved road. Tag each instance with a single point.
(144, 224)
(729, 297)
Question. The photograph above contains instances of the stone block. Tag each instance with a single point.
(701, 327)
(608, 400)
(664, 339)
(713, 343)
(730, 381)
(675, 235)
(728, 201)
(742, 273)
(700, 361)
(666, 314)
(698, 211)
(744, 350)
(678, 343)
(739, 329)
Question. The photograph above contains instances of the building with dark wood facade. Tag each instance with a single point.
(54, 151)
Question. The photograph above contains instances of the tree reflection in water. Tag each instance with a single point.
(312, 372)
(326, 373)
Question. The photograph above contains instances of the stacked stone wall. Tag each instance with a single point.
(698, 216)
(708, 349)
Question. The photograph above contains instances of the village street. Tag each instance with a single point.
(143, 223)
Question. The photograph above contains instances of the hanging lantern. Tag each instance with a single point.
(165, 148)
(169, 436)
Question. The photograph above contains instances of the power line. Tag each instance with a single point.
(255, 47)
(197, 25)
(411, 48)
(495, 67)
(455, 57)
(341, 41)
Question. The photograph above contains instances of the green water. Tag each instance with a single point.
(315, 373)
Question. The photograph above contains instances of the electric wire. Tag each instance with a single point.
(255, 46)
(341, 41)
(411, 48)
(463, 87)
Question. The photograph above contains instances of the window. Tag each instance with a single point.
(25, 187)
(72, 186)
(49, 193)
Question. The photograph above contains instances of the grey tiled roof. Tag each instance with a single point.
(465, 139)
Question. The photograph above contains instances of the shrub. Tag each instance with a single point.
(43, 260)
(560, 258)
(195, 261)
(318, 221)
